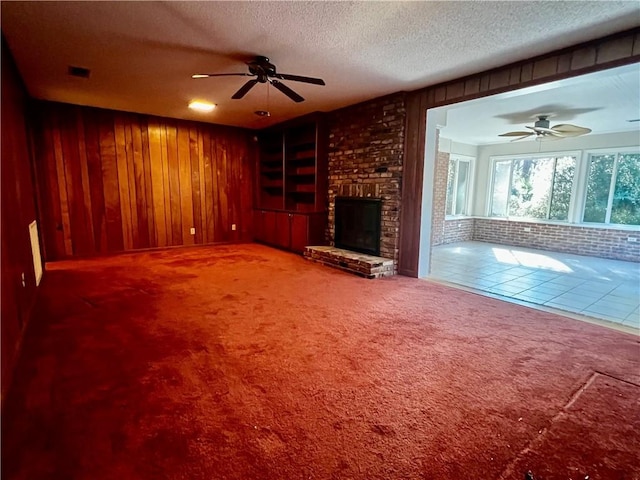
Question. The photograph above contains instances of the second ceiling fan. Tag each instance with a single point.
(543, 131)
(265, 72)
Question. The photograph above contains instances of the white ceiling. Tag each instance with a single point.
(142, 54)
(604, 102)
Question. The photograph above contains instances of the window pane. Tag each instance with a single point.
(598, 184)
(531, 187)
(626, 197)
(451, 176)
(562, 184)
(499, 195)
(461, 191)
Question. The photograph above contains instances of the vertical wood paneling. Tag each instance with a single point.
(141, 235)
(84, 174)
(221, 183)
(52, 222)
(164, 168)
(78, 225)
(133, 202)
(196, 187)
(110, 187)
(96, 186)
(212, 202)
(115, 181)
(233, 177)
(186, 196)
(146, 161)
(208, 179)
(62, 188)
(174, 183)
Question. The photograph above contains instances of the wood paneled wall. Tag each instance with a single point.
(18, 211)
(114, 181)
(608, 52)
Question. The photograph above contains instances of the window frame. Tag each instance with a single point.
(469, 190)
(571, 214)
(588, 154)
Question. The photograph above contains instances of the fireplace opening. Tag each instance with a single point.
(357, 224)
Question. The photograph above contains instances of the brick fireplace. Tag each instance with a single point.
(366, 143)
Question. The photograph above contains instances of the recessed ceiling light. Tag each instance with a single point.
(202, 106)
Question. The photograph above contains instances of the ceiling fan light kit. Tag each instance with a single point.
(265, 72)
(543, 131)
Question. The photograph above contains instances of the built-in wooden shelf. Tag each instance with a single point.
(292, 178)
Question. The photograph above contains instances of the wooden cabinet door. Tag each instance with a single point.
(258, 226)
(282, 230)
(264, 224)
(299, 232)
(269, 222)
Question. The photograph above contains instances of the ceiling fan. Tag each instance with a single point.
(265, 71)
(543, 131)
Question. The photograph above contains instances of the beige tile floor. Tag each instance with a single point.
(597, 288)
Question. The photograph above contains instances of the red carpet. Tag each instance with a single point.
(244, 362)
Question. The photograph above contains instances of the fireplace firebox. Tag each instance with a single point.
(357, 224)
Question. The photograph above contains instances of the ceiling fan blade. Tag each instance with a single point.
(515, 134)
(244, 89)
(569, 130)
(522, 137)
(207, 75)
(287, 91)
(298, 78)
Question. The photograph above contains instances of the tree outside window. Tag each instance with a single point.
(458, 186)
(537, 188)
(613, 189)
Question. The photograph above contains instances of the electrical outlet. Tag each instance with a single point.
(193, 231)
(527, 229)
(233, 226)
(24, 283)
(632, 239)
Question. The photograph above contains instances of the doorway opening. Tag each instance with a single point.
(554, 195)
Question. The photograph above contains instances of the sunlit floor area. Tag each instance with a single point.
(593, 287)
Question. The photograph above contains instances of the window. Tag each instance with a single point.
(613, 189)
(458, 181)
(535, 187)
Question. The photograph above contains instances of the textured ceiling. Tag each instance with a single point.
(142, 54)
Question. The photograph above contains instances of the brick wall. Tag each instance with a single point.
(366, 143)
(597, 242)
(458, 230)
(439, 198)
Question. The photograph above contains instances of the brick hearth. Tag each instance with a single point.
(367, 266)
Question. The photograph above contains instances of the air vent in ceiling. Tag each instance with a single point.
(79, 72)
